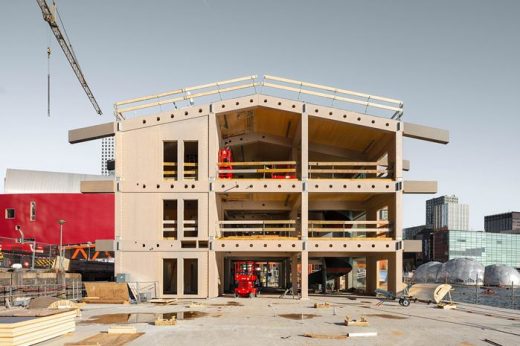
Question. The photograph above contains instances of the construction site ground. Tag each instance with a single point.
(269, 320)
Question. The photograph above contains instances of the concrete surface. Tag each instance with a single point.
(260, 321)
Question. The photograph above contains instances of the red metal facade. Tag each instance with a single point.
(88, 216)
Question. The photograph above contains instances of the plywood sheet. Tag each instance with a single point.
(103, 339)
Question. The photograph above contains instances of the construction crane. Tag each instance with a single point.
(65, 45)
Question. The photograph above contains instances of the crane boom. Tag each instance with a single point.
(49, 17)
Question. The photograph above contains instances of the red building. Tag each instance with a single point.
(88, 216)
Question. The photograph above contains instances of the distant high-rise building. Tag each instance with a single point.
(107, 154)
(431, 203)
(503, 223)
(451, 216)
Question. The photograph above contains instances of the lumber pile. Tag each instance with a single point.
(321, 305)
(28, 327)
(165, 322)
(361, 323)
(106, 293)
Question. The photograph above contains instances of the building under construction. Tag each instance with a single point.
(228, 173)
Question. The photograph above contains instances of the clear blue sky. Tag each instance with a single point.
(455, 64)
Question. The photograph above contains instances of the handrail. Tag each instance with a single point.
(331, 169)
(265, 169)
(249, 227)
(379, 227)
(327, 92)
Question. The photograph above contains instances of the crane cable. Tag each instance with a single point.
(49, 76)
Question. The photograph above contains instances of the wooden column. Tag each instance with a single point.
(372, 274)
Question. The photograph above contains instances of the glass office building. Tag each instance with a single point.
(486, 248)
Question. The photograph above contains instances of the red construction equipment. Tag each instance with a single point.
(225, 155)
(246, 279)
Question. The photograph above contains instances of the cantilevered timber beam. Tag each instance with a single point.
(426, 133)
(251, 138)
(92, 132)
(97, 186)
(419, 186)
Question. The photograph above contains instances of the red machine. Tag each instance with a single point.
(224, 156)
(245, 279)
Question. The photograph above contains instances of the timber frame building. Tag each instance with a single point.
(306, 180)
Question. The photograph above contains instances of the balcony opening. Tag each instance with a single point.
(259, 215)
(170, 219)
(191, 216)
(191, 276)
(191, 160)
(340, 150)
(359, 215)
(170, 276)
(259, 143)
(170, 160)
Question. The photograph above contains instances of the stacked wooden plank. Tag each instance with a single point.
(28, 327)
(106, 293)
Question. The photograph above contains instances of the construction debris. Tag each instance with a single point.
(361, 323)
(159, 301)
(28, 327)
(324, 336)
(321, 305)
(165, 322)
(53, 303)
(122, 330)
(352, 335)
